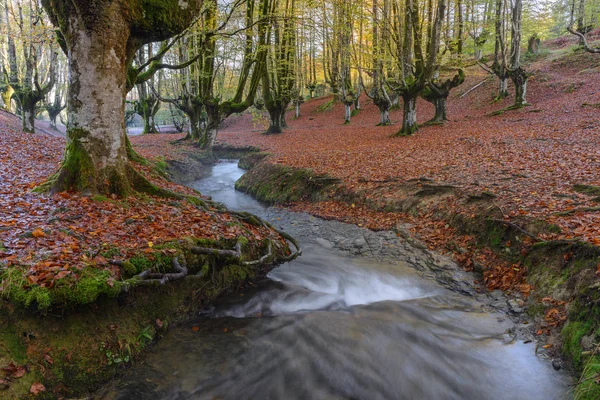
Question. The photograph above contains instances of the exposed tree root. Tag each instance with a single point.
(517, 227)
(576, 210)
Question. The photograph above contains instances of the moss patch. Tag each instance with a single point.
(277, 184)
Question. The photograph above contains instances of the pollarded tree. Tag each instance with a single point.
(437, 92)
(516, 72)
(37, 58)
(101, 38)
(56, 101)
(381, 36)
(418, 58)
(197, 99)
(278, 80)
(580, 31)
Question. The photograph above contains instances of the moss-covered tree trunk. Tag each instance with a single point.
(276, 119)
(409, 115)
(28, 102)
(7, 95)
(101, 37)
(519, 78)
(437, 92)
(95, 159)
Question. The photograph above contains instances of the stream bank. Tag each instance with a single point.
(68, 336)
(360, 315)
(564, 305)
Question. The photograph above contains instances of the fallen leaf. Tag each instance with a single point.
(38, 233)
(37, 388)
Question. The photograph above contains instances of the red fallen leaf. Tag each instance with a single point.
(195, 328)
(159, 323)
(9, 369)
(32, 279)
(62, 274)
(38, 233)
(48, 359)
(19, 373)
(37, 388)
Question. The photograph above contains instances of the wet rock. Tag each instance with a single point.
(556, 364)
(514, 306)
(325, 243)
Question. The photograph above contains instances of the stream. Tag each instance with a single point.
(360, 315)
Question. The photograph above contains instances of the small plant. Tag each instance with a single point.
(116, 358)
(146, 335)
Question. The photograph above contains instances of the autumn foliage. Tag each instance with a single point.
(56, 238)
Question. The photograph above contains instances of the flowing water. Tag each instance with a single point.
(349, 319)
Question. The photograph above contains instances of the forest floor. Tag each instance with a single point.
(540, 162)
(66, 257)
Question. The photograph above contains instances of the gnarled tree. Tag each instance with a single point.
(101, 38)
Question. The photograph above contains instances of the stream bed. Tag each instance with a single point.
(360, 315)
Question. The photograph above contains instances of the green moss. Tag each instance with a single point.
(99, 198)
(326, 107)
(67, 292)
(535, 310)
(198, 202)
(157, 261)
(277, 184)
(13, 344)
(232, 275)
(589, 389)
(587, 189)
(572, 334)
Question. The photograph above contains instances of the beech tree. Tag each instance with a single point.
(278, 80)
(37, 61)
(56, 100)
(101, 38)
(381, 35)
(581, 28)
(196, 96)
(417, 57)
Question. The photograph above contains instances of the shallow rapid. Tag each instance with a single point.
(350, 319)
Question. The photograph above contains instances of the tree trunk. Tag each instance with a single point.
(519, 78)
(348, 113)
(440, 110)
(297, 109)
(53, 117)
(503, 88)
(384, 118)
(28, 113)
(95, 159)
(210, 136)
(195, 128)
(7, 98)
(409, 120)
(277, 116)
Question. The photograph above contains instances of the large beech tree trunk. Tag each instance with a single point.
(95, 159)
(101, 38)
